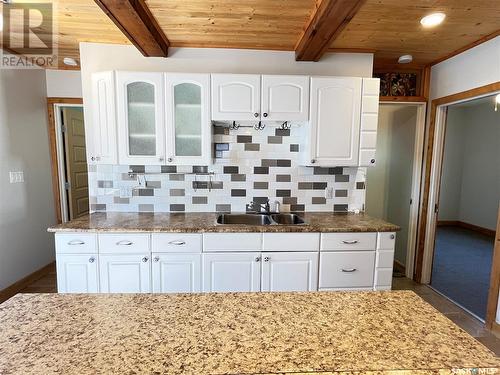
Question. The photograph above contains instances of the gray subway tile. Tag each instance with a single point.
(341, 178)
(168, 169)
(176, 177)
(323, 171)
(260, 185)
(146, 207)
(252, 147)
(177, 207)
(199, 200)
(260, 200)
(269, 162)
(284, 163)
(105, 184)
(360, 185)
(283, 193)
(297, 207)
(318, 200)
(283, 178)
(244, 139)
(137, 168)
(119, 200)
(145, 192)
(282, 132)
(238, 193)
(261, 170)
(238, 177)
(200, 169)
(294, 148)
(98, 207)
(290, 200)
(340, 208)
(319, 185)
(305, 185)
(153, 184)
(274, 139)
(223, 207)
(341, 193)
(177, 192)
(231, 169)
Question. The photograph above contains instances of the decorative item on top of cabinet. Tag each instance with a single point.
(141, 125)
(188, 126)
(102, 143)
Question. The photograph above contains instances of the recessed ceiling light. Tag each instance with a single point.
(433, 19)
(70, 61)
(405, 59)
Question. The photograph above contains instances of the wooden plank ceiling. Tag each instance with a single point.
(387, 27)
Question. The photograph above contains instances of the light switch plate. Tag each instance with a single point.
(16, 177)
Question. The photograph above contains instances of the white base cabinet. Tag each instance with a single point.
(125, 273)
(77, 273)
(223, 262)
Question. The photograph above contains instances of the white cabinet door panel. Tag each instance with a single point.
(235, 97)
(346, 269)
(285, 98)
(77, 273)
(335, 121)
(231, 272)
(130, 273)
(176, 273)
(288, 272)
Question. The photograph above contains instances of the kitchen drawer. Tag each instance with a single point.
(346, 269)
(291, 242)
(386, 240)
(385, 258)
(76, 243)
(214, 242)
(124, 243)
(348, 241)
(383, 277)
(176, 242)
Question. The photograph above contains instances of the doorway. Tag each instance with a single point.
(69, 160)
(469, 194)
(393, 184)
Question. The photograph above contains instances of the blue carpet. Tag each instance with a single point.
(462, 266)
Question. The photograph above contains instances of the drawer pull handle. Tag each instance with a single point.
(76, 242)
(177, 243)
(348, 270)
(124, 243)
(350, 242)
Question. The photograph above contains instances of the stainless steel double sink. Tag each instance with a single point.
(260, 219)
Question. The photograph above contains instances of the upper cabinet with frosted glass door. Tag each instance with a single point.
(140, 115)
(188, 126)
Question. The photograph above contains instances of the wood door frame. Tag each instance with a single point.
(493, 294)
(431, 188)
(52, 104)
(421, 107)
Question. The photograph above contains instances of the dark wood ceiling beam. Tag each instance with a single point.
(136, 21)
(330, 18)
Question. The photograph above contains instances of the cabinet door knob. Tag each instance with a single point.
(160, 159)
(264, 114)
(313, 161)
(92, 158)
(255, 114)
(91, 260)
(170, 160)
(156, 259)
(257, 259)
(267, 259)
(392, 236)
(145, 259)
(372, 161)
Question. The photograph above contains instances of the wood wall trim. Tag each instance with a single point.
(18, 286)
(491, 309)
(329, 19)
(136, 21)
(467, 47)
(405, 99)
(51, 127)
(421, 235)
(461, 224)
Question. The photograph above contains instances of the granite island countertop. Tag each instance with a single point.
(235, 333)
(206, 222)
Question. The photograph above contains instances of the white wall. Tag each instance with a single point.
(64, 83)
(470, 187)
(96, 57)
(26, 209)
(473, 68)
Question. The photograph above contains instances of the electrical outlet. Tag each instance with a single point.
(16, 177)
(329, 193)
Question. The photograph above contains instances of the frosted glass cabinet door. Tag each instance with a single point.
(140, 117)
(188, 118)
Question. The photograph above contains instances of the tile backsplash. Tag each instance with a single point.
(249, 165)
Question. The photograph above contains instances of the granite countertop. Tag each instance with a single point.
(206, 222)
(234, 333)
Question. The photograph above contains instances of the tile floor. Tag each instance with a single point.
(467, 322)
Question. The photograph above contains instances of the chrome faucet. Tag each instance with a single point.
(261, 208)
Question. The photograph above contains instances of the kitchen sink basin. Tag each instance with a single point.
(287, 219)
(245, 219)
(260, 219)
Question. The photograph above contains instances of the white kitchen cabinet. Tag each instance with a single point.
(176, 273)
(287, 272)
(369, 121)
(140, 115)
(188, 126)
(231, 272)
(285, 98)
(235, 97)
(335, 121)
(125, 273)
(77, 273)
(101, 132)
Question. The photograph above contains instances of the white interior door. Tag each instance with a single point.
(176, 273)
(335, 121)
(285, 98)
(235, 97)
(287, 272)
(130, 273)
(77, 273)
(231, 272)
